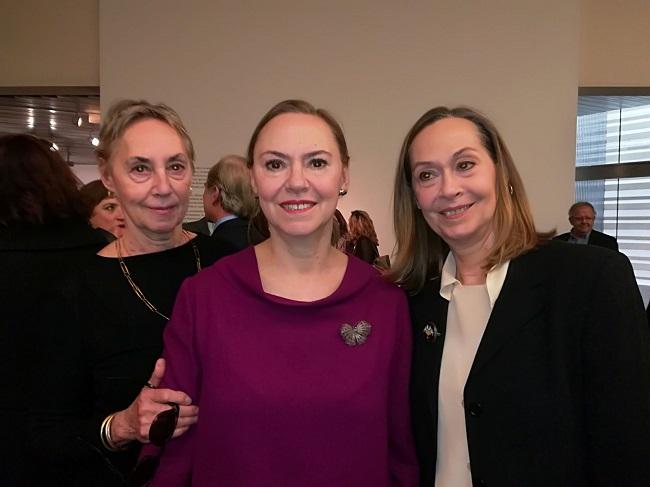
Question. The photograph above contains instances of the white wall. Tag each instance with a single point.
(615, 43)
(49, 43)
(377, 65)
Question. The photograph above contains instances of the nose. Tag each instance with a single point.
(119, 214)
(297, 182)
(449, 185)
(161, 185)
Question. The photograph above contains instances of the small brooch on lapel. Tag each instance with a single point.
(431, 333)
(357, 334)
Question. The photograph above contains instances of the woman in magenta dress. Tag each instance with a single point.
(297, 354)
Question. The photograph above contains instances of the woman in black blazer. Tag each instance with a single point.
(531, 357)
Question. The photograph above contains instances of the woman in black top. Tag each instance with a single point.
(363, 241)
(43, 235)
(90, 410)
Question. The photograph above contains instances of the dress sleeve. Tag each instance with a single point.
(616, 380)
(64, 417)
(402, 463)
(182, 373)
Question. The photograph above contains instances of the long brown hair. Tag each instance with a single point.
(361, 225)
(420, 251)
(37, 186)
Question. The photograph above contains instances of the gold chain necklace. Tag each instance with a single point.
(138, 292)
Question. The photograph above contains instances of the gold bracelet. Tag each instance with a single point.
(105, 434)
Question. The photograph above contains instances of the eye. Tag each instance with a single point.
(274, 164)
(318, 162)
(177, 166)
(139, 168)
(425, 176)
(110, 207)
(466, 165)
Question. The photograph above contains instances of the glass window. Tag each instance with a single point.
(613, 173)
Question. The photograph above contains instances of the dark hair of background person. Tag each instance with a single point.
(339, 229)
(420, 252)
(37, 185)
(293, 106)
(93, 194)
(361, 226)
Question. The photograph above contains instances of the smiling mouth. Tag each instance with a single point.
(298, 206)
(456, 211)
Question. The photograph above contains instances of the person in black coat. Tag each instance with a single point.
(582, 216)
(531, 357)
(232, 202)
(44, 234)
(363, 238)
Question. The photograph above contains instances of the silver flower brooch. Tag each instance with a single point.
(357, 334)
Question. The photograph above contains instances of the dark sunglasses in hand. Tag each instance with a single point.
(163, 426)
(161, 429)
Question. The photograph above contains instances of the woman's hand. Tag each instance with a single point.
(134, 422)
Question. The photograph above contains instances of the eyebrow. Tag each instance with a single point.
(455, 155)
(175, 157)
(286, 156)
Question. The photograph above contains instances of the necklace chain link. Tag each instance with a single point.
(136, 289)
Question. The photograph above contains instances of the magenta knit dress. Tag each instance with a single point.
(284, 401)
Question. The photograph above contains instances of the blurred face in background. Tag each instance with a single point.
(582, 218)
(108, 216)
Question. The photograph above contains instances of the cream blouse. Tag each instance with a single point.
(467, 316)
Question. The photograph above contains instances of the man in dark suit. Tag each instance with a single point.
(206, 225)
(582, 216)
(231, 202)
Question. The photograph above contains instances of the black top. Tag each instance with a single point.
(559, 390)
(237, 233)
(365, 249)
(34, 260)
(100, 348)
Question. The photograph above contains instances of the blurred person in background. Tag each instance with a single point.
(364, 242)
(44, 235)
(233, 202)
(105, 210)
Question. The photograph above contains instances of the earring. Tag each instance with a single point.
(343, 192)
(511, 190)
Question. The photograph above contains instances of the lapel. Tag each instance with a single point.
(521, 298)
(431, 312)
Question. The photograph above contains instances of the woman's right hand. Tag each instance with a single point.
(134, 422)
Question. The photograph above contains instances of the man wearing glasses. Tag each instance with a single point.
(581, 216)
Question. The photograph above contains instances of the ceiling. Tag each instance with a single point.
(54, 118)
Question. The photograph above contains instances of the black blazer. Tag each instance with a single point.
(237, 234)
(559, 391)
(198, 226)
(595, 238)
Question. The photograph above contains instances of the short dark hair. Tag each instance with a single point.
(37, 185)
(94, 193)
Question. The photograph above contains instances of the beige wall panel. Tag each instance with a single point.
(614, 43)
(377, 65)
(49, 43)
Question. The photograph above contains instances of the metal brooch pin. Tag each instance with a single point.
(357, 334)
(431, 333)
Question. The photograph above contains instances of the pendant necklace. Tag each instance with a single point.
(136, 289)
